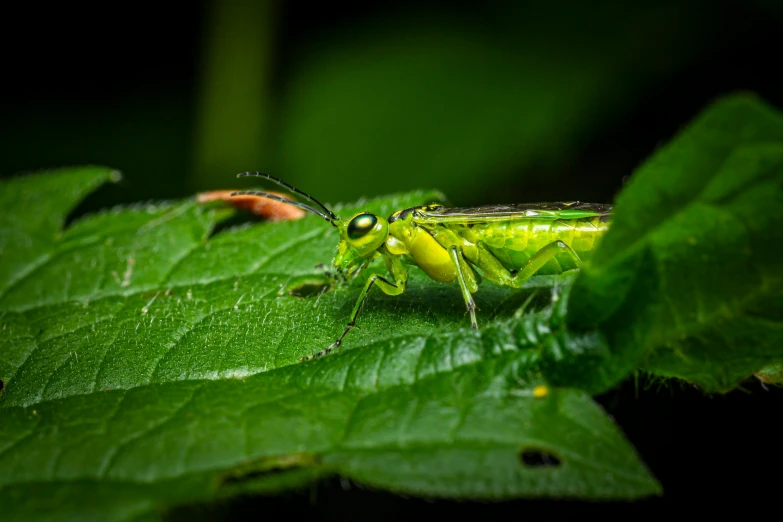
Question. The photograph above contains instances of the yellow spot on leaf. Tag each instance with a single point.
(539, 392)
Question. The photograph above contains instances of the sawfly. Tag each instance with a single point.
(503, 244)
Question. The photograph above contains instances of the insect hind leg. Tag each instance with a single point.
(540, 258)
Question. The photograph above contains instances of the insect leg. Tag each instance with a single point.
(400, 273)
(468, 254)
(462, 268)
(493, 269)
(388, 288)
(540, 258)
(477, 255)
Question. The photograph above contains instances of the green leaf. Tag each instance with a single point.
(150, 361)
(688, 281)
(772, 374)
(33, 211)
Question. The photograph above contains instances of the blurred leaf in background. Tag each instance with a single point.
(472, 102)
(235, 107)
(489, 102)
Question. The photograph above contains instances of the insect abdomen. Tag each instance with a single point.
(513, 242)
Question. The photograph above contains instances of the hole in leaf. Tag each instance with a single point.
(538, 458)
(307, 286)
(253, 475)
(308, 289)
(268, 467)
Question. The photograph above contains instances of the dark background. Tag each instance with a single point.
(491, 102)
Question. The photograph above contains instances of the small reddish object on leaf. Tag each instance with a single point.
(266, 208)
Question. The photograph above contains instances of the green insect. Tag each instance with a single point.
(504, 244)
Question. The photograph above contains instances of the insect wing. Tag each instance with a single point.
(558, 210)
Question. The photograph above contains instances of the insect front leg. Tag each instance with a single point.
(400, 274)
(465, 277)
(386, 286)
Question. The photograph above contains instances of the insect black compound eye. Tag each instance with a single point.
(360, 225)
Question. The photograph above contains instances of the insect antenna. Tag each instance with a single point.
(283, 200)
(291, 188)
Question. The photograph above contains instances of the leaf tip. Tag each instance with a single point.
(742, 102)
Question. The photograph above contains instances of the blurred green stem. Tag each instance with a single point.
(233, 116)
